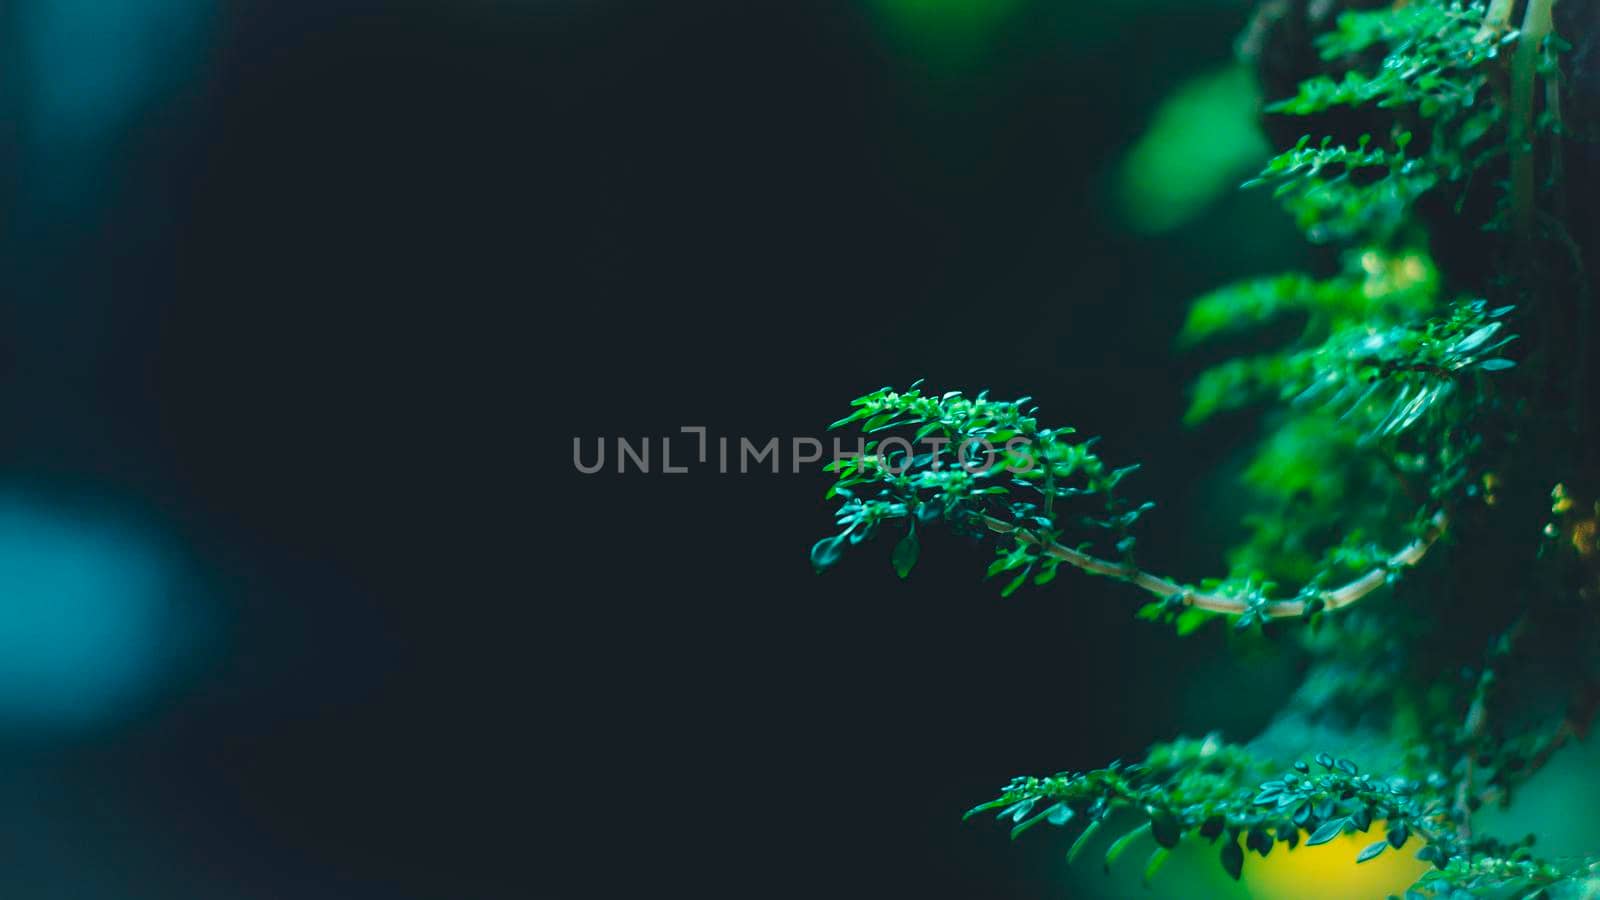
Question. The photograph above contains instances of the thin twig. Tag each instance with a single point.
(1333, 599)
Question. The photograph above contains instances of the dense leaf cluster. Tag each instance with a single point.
(1395, 408)
(1213, 791)
(1425, 62)
(981, 466)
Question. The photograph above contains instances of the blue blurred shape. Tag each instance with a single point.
(87, 617)
(92, 63)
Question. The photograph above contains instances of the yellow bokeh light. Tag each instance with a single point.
(1560, 501)
(1330, 872)
(1390, 274)
(1586, 537)
(1325, 872)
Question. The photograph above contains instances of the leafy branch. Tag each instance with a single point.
(1214, 791)
(1249, 606)
(1033, 480)
(1394, 412)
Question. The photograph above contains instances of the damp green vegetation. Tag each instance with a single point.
(1425, 482)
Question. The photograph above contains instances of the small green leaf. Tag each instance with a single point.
(1327, 832)
(1016, 583)
(1121, 844)
(1189, 620)
(905, 553)
(1232, 858)
(1496, 364)
(1372, 850)
(1019, 809)
(858, 414)
(1361, 818)
(1024, 826)
(878, 421)
(1478, 338)
(1164, 828)
(1157, 857)
(1398, 833)
(1082, 841)
(826, 552)
(983, 807)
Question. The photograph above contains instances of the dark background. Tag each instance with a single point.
(317, 296)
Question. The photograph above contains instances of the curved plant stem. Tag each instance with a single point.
(1332, 599)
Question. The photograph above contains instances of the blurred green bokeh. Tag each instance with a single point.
(1202, 141)
(947, 29)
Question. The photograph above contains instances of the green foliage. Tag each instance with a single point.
(1432, 75)
(1376, 290)
(1433, 59)
(1337, 192)
(980, 466)
(1369, 393)
(1209, 790)
(1388, 410)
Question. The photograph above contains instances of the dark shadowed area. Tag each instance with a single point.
(301, 594)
